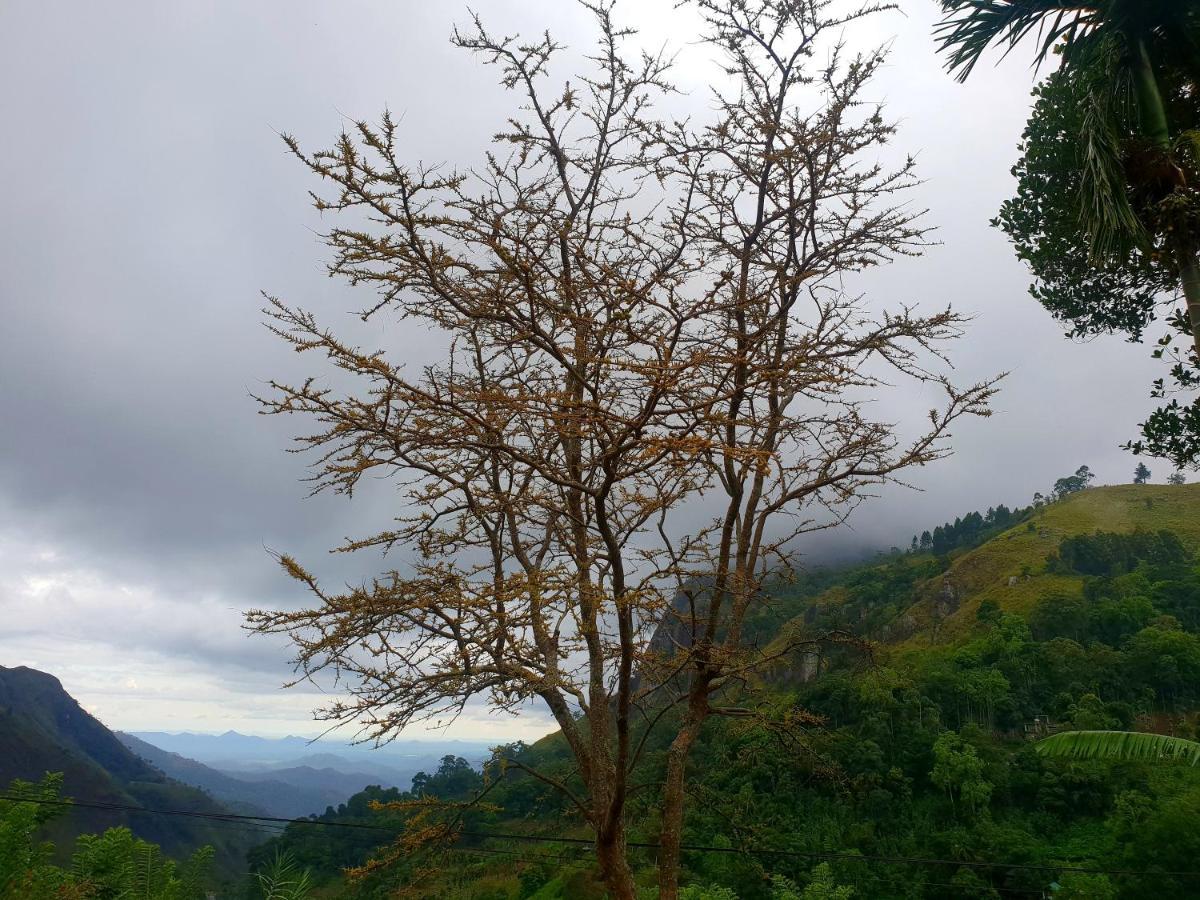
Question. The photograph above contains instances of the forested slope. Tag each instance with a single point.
(43, 729)
(1010, 570)
(919, 776)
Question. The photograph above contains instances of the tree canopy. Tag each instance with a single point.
(636, 312)
(1107, 211)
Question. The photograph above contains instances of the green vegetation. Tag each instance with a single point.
(283, 879)
(1106, 208)
(114, 865)
(970, 530)
(1126, 745)
(43, 729)
(1083, 616)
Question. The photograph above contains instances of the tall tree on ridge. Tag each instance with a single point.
(636, 311)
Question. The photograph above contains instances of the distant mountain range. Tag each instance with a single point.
(43, 729)
(271, 798)
(290, 776)
(287, 791)
(248, 752)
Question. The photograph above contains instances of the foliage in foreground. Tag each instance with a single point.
(1107, 212)
(114, 865)
(1124, 745)
(283, 879)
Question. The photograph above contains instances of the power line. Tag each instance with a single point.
(249, 823)
(641, 845)
(220, 817)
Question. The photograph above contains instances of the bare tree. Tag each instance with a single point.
(642, 319)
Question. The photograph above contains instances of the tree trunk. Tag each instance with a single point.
(671, 835)
(1151, 109)
(613, 861)
(1189, 274)
(1157, 129)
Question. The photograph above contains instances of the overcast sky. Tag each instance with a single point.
(147, 200)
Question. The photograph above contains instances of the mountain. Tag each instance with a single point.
(911, 771)
(317, 774)
(285, 798)
(288, 792)
(233, 750)
(43, 729)
(1010, 571)
(398, 774)
(334, 785)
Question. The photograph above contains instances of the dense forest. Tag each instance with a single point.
(919, 774)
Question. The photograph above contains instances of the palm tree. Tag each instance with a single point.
(1119, 745)
(1123, 48)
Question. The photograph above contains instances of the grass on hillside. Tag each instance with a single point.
(1010, 569)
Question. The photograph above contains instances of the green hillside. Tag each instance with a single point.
(43, 729)
(1010, 570)
(921, 779)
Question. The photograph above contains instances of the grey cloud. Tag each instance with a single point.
(148, 199)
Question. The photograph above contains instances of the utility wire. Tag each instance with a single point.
(250, 823)
(641, 845)
(221, 817)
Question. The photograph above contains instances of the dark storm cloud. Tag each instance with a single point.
(147, 200)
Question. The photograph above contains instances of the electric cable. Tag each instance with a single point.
(641, 845)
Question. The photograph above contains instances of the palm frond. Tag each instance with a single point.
(969, 27)
(1119, 745)
(195, 872)
(1188, 143)
(284, 879)
(1105, 213)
